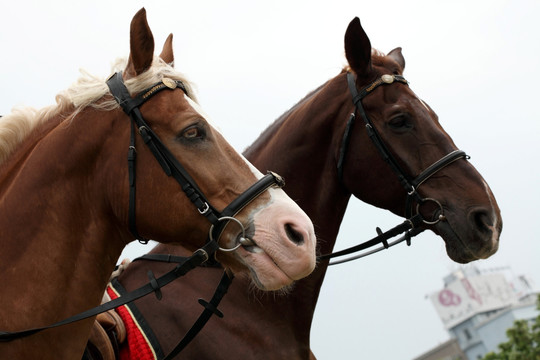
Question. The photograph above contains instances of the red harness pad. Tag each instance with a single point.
(139, 345)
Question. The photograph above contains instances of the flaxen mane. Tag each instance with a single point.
(16, 126)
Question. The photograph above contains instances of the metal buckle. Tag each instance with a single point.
(205, 209)
(203, 253)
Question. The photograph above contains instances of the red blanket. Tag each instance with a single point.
(138, 346)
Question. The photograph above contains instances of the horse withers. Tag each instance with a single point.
(322, 174)
(71, 199)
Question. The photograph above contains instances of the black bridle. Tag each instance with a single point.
(411, 225)
(172, 167)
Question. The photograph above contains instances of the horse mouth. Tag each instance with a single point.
(457, 248)
(265, 262)
(466, 242)
(249, 245)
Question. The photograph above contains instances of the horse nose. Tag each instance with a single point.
(487, 228)
(296, 236)
(481, 221)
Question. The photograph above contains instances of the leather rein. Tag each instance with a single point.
(172, 167)
(411, 225)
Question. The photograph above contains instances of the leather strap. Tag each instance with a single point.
(198, 257)
(438, 165)
(164, 157)
(381, 238)
(410, 226)
(372, 132)
(210, 308)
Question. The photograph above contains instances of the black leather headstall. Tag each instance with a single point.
(170, 164)
(411, 225)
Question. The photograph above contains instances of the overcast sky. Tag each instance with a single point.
(475, 62)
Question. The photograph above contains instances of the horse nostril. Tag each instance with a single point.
(482, 221)
(295, 236)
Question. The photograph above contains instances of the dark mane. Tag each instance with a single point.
(277, 123)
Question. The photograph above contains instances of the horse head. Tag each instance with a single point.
(452, 197)
(281, 245)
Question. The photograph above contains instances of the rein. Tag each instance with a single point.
(411, 225)
(210, 307)
(172, 167)
(199, 257)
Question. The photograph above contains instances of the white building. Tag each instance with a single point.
(476, 309)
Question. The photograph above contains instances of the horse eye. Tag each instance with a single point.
(192, 133)
(398, 122)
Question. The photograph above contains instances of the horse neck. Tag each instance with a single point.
(54, 224)
(306, 158)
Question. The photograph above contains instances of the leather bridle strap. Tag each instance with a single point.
(411, 224)
(210, 308)
(383, 238)
(372, 133)
(200, 256)
(431, 170)
(438, 165)
(168, 162)
(409, 185)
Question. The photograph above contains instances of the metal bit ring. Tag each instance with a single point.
(228, 218)
(441, 215)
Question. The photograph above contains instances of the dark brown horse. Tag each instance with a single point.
(66, 207)
(307, 145)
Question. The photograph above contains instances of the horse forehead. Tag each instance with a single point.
(203, 114)
(413, 98)
(198, 108)
(416, 98)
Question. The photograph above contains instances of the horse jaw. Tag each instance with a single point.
(282, 250)
(478, 237)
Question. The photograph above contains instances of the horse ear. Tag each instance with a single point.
(141, 46)
(167, 53)
(397, 56)
(358, 48)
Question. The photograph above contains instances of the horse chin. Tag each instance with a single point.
(257, 285)
(265, 272)
(457, 248)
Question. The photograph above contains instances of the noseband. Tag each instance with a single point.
(172, 167)
(410, 185)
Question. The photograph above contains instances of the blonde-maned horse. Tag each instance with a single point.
(68, 203)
